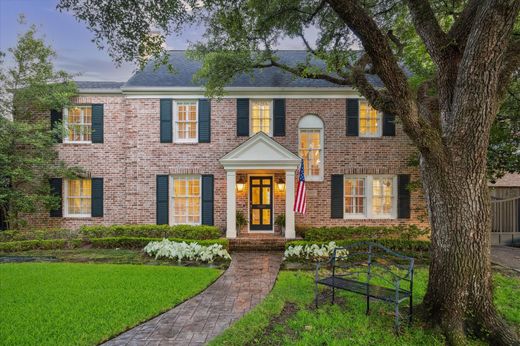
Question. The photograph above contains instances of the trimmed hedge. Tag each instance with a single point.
(197, 232)
(37, 234)
(394, 244)
(50, 244)
(403, 232)
(140, 243)
(101, 243)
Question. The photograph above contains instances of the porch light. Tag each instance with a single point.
(240, 184)
(281, 185)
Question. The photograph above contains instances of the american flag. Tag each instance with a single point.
(300, 203)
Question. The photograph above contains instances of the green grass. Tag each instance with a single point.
(84, 304)
(344, 323)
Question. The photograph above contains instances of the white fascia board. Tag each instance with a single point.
(99, 91)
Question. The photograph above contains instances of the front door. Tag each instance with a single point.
(261, 203)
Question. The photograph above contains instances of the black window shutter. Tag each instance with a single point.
(207, 200)
(279, 117)
(204, 121)
(336, 197)
(56, 190)
(352, 117)
(97, 123)
(403, 196)
(97, 197)
(162, 200)
(166, 121)
(56, 119)
(242, 117)
(388, 124)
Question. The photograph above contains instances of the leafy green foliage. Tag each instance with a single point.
(152, 231)
(85, 304)
(37, 234)
(407, 232)
(141, 242)
(48, 244)
(241, 220)
(29, 89)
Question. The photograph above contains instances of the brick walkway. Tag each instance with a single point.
(245, 283)
(506, 256)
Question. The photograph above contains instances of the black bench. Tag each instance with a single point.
(355, 267)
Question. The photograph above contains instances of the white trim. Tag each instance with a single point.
(313, 122)
(171, 197)
(65, 197)
(368, 189)
(271, 117)
(249, 175)
(175, 121)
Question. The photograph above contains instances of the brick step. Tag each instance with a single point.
(257, 244)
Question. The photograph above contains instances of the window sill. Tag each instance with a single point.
(314, 179)
(78, 143)
(188, 143)
(79, 217)
(363, 217)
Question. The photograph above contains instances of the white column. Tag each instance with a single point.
(290, 232)
(231, 230)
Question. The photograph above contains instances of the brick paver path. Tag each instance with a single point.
(245, 283)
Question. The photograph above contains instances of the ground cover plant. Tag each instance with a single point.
(85, 304)
(288, 317)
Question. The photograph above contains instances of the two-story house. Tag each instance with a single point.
(158, 151)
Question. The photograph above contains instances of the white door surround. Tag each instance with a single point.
(260, 152)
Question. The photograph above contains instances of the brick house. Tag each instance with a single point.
(158, 151)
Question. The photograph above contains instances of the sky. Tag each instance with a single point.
(71, 40)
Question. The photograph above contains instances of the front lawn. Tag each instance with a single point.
(287, 316)
(84, 304)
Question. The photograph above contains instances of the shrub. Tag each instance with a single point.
(407, 232)
(241, 220)
(36, 234)
(182, 250)
(152, 231)
(312, 251)
(140, 242)
(50, 244)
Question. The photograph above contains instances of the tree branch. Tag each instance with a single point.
(461, 28)
(426, 25)
(512, 64)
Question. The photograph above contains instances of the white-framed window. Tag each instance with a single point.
(355, 197)
(370, 120)
(310, 147)
(186, 122)
(261, 117)
(78, 124)
(77, 197)
(370, 196)
(185, 199)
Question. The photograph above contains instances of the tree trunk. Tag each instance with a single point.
(460, 295)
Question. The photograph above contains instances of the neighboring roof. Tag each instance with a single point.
(99, 85)
(265, 77)
(508, 180)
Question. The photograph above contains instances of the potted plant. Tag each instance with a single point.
(280, 222)
(241, 220)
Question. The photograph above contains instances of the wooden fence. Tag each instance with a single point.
(505, 212)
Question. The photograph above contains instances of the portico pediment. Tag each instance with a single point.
(260, 152)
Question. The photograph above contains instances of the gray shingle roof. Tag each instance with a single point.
(266, 77)
(99, 85)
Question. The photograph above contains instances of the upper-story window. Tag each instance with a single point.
(186, 122)
(310, 134)
(370, 197)
(77, 197)
(78, 124)
(370, 120)
(261, 117)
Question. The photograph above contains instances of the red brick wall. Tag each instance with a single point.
(131, 157)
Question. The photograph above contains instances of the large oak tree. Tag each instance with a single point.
(474, 50)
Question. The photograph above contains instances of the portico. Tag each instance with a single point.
(260, 158)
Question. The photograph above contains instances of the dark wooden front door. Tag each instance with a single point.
(260, 203)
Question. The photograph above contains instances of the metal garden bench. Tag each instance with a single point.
(371, 270)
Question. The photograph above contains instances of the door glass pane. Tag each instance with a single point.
(266, 181)
(266, 195)
(255, 181)
(266, 216)
(255, 195)
(255, 215)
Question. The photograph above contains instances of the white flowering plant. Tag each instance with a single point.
(313, 251)
(186, 251)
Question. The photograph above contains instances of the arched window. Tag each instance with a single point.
(310, 146)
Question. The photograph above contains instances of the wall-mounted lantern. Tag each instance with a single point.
(241, 183)
(281, 185)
